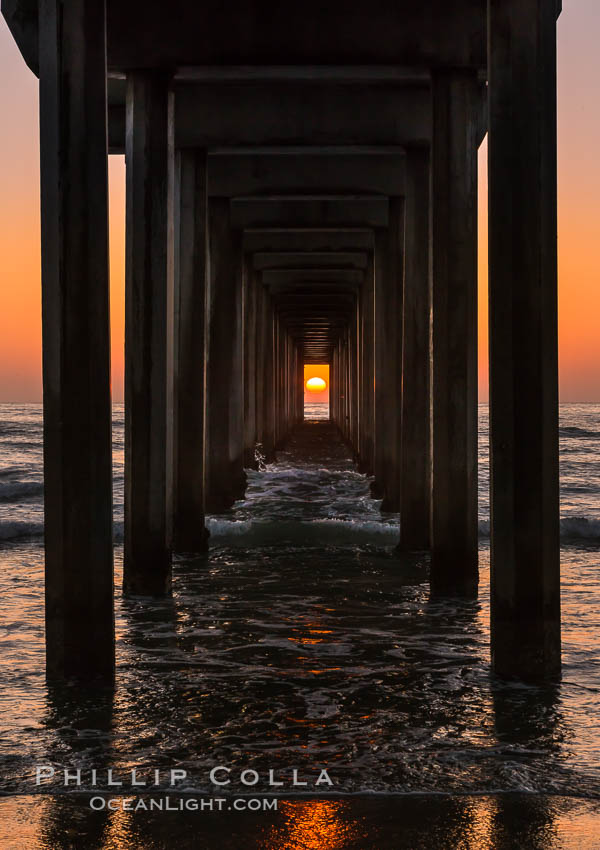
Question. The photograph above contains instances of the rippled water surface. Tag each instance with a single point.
(302, 642)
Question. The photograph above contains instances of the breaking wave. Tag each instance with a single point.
(571, 528)
(327, 532)
(16, 491)
(15, 529)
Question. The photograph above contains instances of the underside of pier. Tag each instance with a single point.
(301, 188)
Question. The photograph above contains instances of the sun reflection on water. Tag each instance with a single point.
(313, 825)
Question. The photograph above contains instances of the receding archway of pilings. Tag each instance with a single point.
(354, 154)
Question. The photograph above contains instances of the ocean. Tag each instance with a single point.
(301, 641)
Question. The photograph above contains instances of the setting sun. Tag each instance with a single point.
(316, 385)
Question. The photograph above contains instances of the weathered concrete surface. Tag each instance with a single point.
(367, 370)
(309, 211)
(454, 568)
(146, 557)
(375, 170)
(315, 113)
(225, 479)
(297, 277)
(415, 466)
(252, 285)
(76, 343)
(344, 239)
(309, 259)
(213, 113)
(389, 277)
(523, 341)
(265, 398)
(190, 379)
(309, 34)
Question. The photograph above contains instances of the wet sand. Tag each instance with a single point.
(510, 821)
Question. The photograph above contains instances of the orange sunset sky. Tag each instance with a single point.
(579, 221)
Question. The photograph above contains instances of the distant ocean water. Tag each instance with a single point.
(316, 410)
(302, 640)
(21, 474)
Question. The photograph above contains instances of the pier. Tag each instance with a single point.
(301, 188)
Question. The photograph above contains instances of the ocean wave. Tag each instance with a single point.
(13, 471)
(18, 428)
(334, 532)
(20, 445)
(574, 431)
(13, 529)
(16, 529)
(571, 528)
(16, 491)
(579, 527)
(328, 532)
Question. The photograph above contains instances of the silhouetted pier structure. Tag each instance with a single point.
(301, 187)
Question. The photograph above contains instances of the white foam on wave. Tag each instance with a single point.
(16, 529)
(333, 532)
(580, 527)
(330, 532)
(571, 528)
(13, 529)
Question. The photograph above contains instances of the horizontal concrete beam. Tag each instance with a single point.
(298, 277)
(217, 115)
(305, 170)
(245, 32)
(308, 239)
(319, 317)
(294, 42)
(309, 210)
(298, 300)
(340, 74)
(314, 327)
(309, 259)
(301, 114)
(322, 312)
(294, 286)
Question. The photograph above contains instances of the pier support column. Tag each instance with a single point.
(389, 275)
(287, 375)
(76, 340)
(454, 567)
(250, 362)
(225, 478)
(147, 557)
(346, 411)
(334, 386)
(525, 593)
(339, 388)
(355, 378)
(189, 528)
(262, 352)
(415, 467)
(300, 383)
(268, 377)
(278, 382)
(367, 370)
